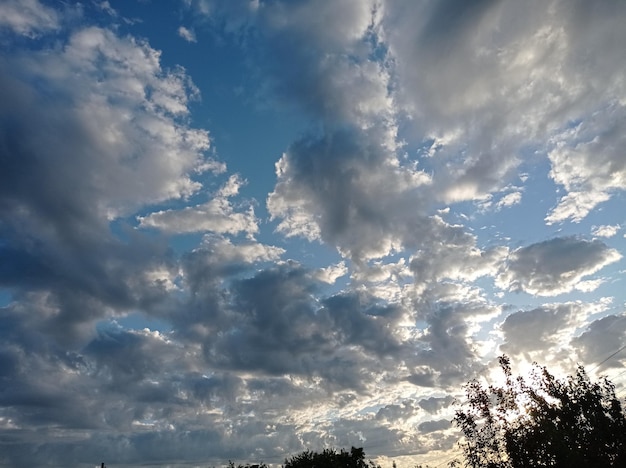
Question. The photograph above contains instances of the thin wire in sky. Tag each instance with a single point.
(608, 358)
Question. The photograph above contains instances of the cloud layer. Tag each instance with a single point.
(451, 196)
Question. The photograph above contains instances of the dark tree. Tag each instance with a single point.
(546, 421)
(330, 458)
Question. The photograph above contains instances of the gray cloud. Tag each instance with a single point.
(274, 326)
(91, 162)
(100, 168)
(555, 266)
(434, 404)
(346, 189)
(548, 327)
(496, 77)
(434, 426)
(601, 339)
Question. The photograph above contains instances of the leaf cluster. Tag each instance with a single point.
(542, 422)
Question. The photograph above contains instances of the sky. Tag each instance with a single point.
(237, 230)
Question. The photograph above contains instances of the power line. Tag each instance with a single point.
(605, 360)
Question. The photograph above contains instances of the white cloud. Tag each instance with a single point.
(452, 254)
(504, 76)
(348, 190)
(103, 131)
(217, 215)
(126, 110)
(331, 273)
(187, 34)
(28, 17)
(107, 8)
(588, 163)
(510, 199)
(606, 230)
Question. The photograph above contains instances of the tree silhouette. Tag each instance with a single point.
(572, 422)
(330, 458)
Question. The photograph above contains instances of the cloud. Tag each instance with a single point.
(434, 426)
(107, 8)
(510, 199)
(606, 230)
(97, 148)
(273, 327)
(602, 338)
(433, 404)
(504, 77)
(187, 34)
(110, 230)
(453, 254)
(586, 161)
(546, 328)
(347, 190)
(554, 266)
(217, 215)
(28, 17)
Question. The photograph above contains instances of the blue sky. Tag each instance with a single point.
(243, 229)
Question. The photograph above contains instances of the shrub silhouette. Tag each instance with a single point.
(330, 458)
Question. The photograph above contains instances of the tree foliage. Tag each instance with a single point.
(545, 421)
(330, 458)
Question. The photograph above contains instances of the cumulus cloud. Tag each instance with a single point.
(503, 76)
(606, 230)
(128, 118)
(97, 149)
(346, 189)
(548, 327)
(454, 255)
(278, 329)
(433, 404)
(555, 266)
(602, 338)
(411, 109)
(433, 426)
